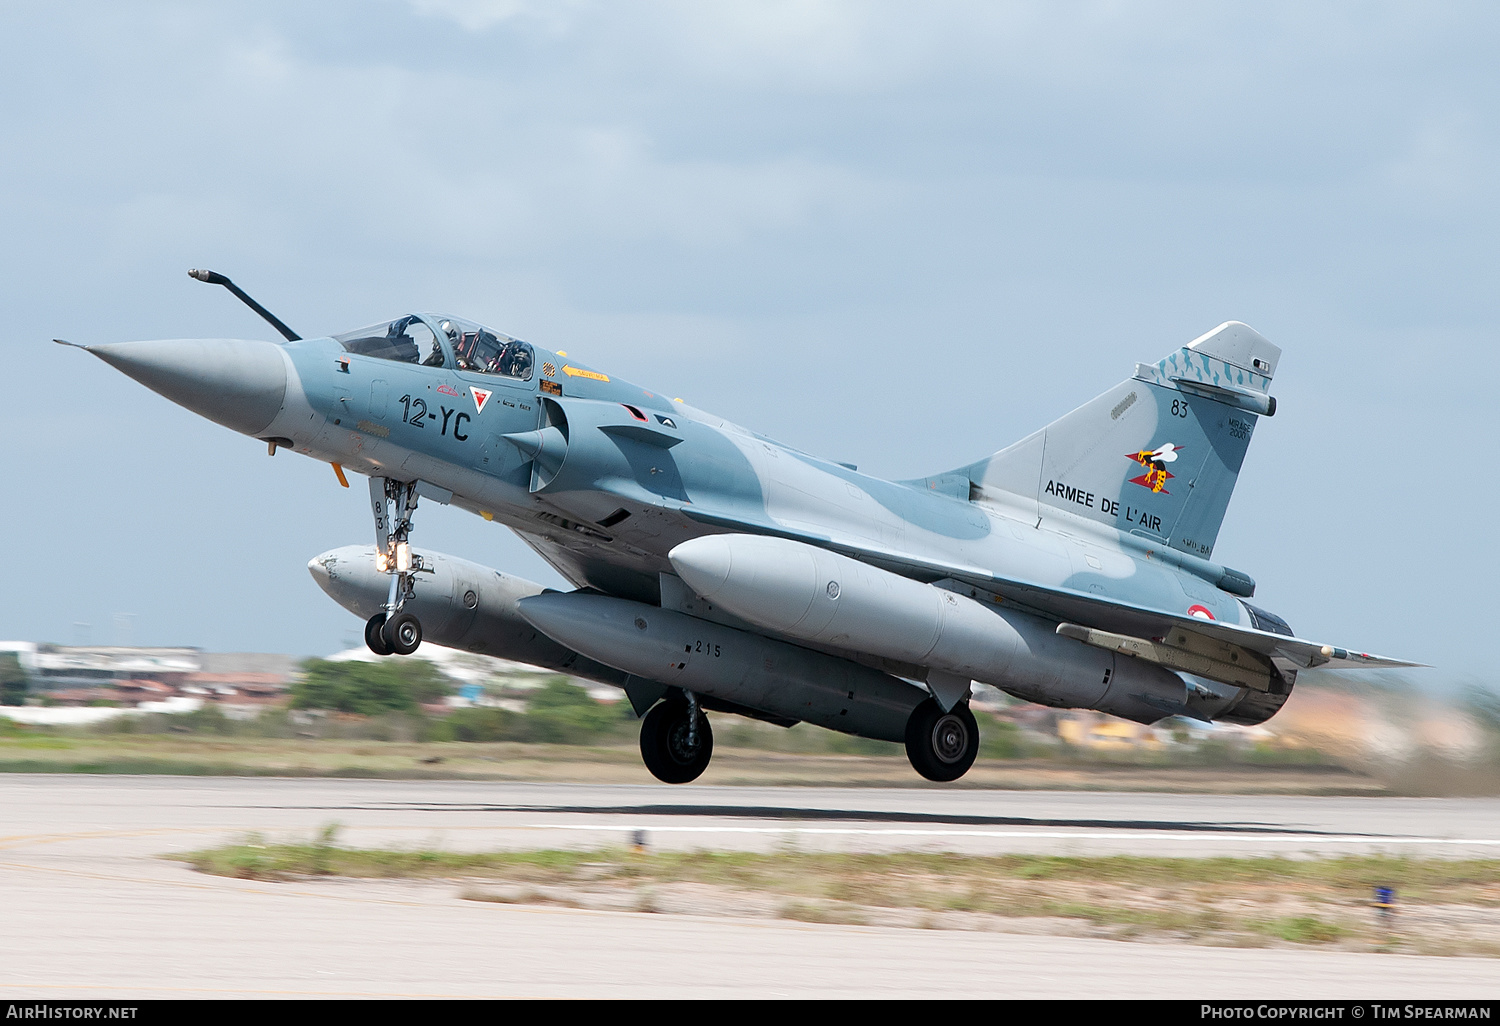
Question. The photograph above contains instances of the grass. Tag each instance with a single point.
(37, 751)
(1304, 929)
(1240, 901)
(1475, 880)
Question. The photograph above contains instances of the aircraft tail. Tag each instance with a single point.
(1157, 455)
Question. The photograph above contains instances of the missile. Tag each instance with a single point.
(460, 604)
(732, 665)
(827, 599)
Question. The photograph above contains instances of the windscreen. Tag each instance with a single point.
(406, 339)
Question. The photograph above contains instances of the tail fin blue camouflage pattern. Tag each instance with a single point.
(1157, 455)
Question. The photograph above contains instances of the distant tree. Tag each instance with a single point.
(1000, 739)
(391, 685)
(12, 680)
(481, 725)
(563, 713)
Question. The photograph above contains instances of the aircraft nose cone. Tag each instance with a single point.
(239, 383)
(703, 564)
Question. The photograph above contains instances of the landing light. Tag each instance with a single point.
(403, 557)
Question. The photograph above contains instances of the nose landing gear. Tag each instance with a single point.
(394, 631)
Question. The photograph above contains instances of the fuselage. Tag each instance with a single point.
(610, 525)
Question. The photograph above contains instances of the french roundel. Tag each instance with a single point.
(1201, 612)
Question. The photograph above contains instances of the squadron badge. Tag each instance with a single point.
(1155, 462)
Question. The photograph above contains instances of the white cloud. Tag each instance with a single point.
(484, 15)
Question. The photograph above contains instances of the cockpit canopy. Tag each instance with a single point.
(477, 348)
(435, 341)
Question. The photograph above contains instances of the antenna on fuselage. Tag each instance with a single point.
(215, 278)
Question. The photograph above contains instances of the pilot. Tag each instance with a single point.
(516, 359)
(463, 346)
(523, 360)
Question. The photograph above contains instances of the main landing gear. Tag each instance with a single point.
(676, 741)
(942, 745)
(393, 631)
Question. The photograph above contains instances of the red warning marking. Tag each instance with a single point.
(1201, 612)
(481, 396)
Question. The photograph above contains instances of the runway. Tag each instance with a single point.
(91, 911)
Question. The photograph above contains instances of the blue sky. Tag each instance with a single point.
(900, 235)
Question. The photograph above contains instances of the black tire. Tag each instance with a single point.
(374, 639)
(941, 746)
(403, 634)
(664, 746)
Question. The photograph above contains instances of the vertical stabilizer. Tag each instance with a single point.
(1157, 455)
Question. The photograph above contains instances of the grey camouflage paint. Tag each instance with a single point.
(1107, 517)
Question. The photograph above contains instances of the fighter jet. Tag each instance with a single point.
(717, 570)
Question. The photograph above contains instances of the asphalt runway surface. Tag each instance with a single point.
(92, 911)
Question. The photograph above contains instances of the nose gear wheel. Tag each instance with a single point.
(402, 634)
(374, 638)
